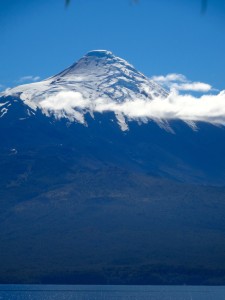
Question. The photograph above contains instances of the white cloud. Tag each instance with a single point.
(66, 101)
(180, 82)
(207, 108)
(193, 86)
(66, 104)
(29, 78)
(170, 77)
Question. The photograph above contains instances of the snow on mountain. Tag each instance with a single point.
(98, 77)
(100, 82)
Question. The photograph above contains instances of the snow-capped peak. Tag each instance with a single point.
(97, 75)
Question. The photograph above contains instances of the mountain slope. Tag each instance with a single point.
(91, 197)
(98, 75)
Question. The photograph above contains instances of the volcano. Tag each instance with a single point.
(90, 195)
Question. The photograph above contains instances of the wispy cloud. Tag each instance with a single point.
(169, 78)
(192, 86)
(29, 78)
(207, 108)
(180, 82)
(67, 104)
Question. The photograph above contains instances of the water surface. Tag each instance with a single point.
(90, 292)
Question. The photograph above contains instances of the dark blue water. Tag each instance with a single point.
(65, 292)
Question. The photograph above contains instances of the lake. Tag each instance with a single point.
(108, 292)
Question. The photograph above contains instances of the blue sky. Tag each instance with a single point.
(41, 38)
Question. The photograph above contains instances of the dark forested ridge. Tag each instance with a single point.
(98, 205)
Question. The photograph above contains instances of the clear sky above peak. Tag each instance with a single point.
(41, 38)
